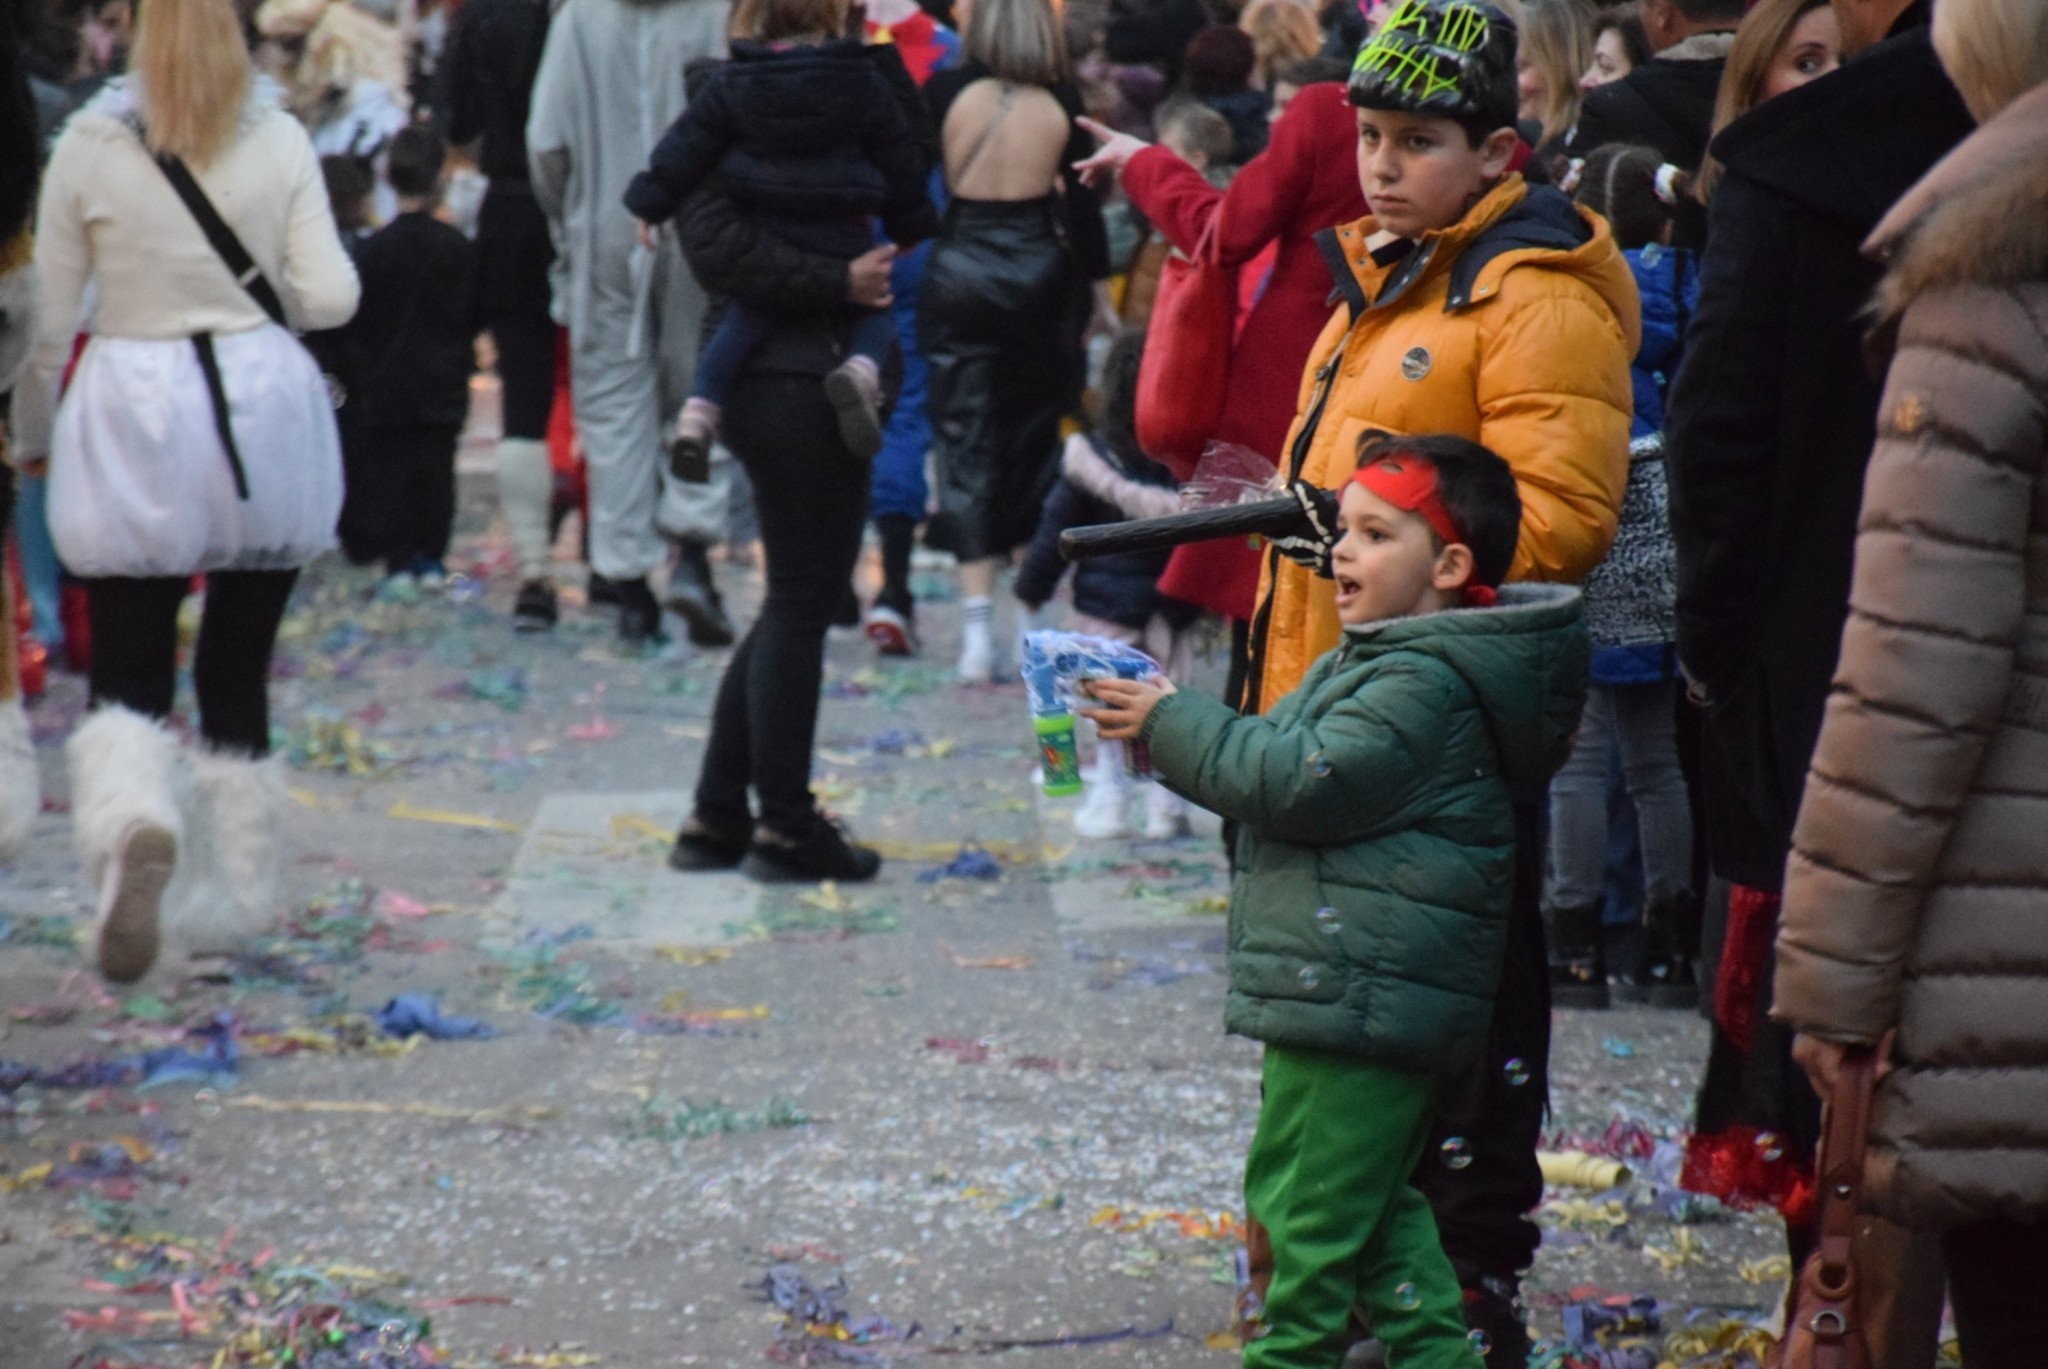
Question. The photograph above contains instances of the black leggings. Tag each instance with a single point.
(812, 498)
(135, 649)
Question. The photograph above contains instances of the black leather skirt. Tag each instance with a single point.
(1000, 321)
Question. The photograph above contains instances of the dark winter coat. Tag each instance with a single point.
(1667, 103)
(413, 337)
(1375, 853)
(1122, 589)
(815, 139)
(1772, 415)
(732, 253)
(1917, 896)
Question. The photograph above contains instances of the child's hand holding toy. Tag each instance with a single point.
(1127, 703)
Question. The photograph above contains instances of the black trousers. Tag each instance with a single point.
(513, 255)
(1997, 1275)
(811, 495)
(400, 505)
(135, 649)
(1479, 1171)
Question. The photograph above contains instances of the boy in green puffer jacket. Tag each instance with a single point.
(1374, 862)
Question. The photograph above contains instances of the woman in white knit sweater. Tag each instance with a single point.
(196, 436)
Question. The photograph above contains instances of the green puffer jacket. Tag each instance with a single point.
(1375, 861)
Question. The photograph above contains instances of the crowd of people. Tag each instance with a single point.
(1659, 387)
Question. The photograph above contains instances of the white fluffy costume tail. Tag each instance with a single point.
(125, 820)
(21, 791)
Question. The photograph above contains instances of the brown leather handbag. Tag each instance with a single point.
(1825, 1329)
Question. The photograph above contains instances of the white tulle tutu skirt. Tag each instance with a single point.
(140, 481)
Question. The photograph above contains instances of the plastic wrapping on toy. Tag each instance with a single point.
(1228, 475)
(1056, 669)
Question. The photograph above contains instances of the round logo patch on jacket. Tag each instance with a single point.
(1415, 363)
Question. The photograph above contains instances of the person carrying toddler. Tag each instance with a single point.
(816, 135)
(1375, 869)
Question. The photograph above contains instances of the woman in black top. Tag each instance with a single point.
(1006, 297)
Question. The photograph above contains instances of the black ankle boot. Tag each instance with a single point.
(1578, 962)
(817, 850)
(1666, 977)
(693, 594)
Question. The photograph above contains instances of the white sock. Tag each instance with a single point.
(980, 613)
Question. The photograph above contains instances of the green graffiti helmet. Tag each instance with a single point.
(1451, 58)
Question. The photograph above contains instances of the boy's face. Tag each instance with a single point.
(1387, 562)
(1420, 172)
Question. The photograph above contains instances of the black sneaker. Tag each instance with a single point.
(601, 589)
(693, 594)
(820, 852)
(639, 615)
(701, 846)
(534, 609)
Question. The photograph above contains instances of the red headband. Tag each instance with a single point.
(1409, 483)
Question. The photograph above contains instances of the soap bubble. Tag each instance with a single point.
(1516, 1072)
(1319, 765)
(1481, 1343)
(1309, 978)
(1456, 1154)
(1408, 1297)
(394, 1338)
(1326, 919)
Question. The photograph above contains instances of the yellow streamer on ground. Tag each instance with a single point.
(353, 1106)
(412, 813)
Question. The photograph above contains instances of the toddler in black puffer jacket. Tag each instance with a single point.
(816, 135)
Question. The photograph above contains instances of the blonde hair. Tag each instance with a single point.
(192, 74)
(1994, 50)
(1557, 39)
(1282, 31)
(1764, 30)
(1024, 41)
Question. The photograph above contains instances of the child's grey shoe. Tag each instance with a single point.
(856, 399)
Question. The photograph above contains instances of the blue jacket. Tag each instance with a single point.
(1668, 279)
(811, 139)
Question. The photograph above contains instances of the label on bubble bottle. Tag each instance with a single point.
(1058, 754)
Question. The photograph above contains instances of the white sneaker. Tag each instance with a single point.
(977, 657)
(1104, 813)
(1166, 814)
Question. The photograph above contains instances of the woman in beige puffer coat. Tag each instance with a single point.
(1916, 901)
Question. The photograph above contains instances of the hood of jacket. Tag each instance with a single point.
(1848, 145)
(1526, 659)
(1514, 224)
(1976, 218)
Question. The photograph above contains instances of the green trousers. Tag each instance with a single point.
(1328, 1177)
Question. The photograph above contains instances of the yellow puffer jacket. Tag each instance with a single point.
(1514, 327)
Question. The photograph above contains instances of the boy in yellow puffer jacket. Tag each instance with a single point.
(1471, 303)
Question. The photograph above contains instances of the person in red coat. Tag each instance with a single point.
(1305, 181)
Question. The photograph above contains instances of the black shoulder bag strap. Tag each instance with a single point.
(247, 275)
